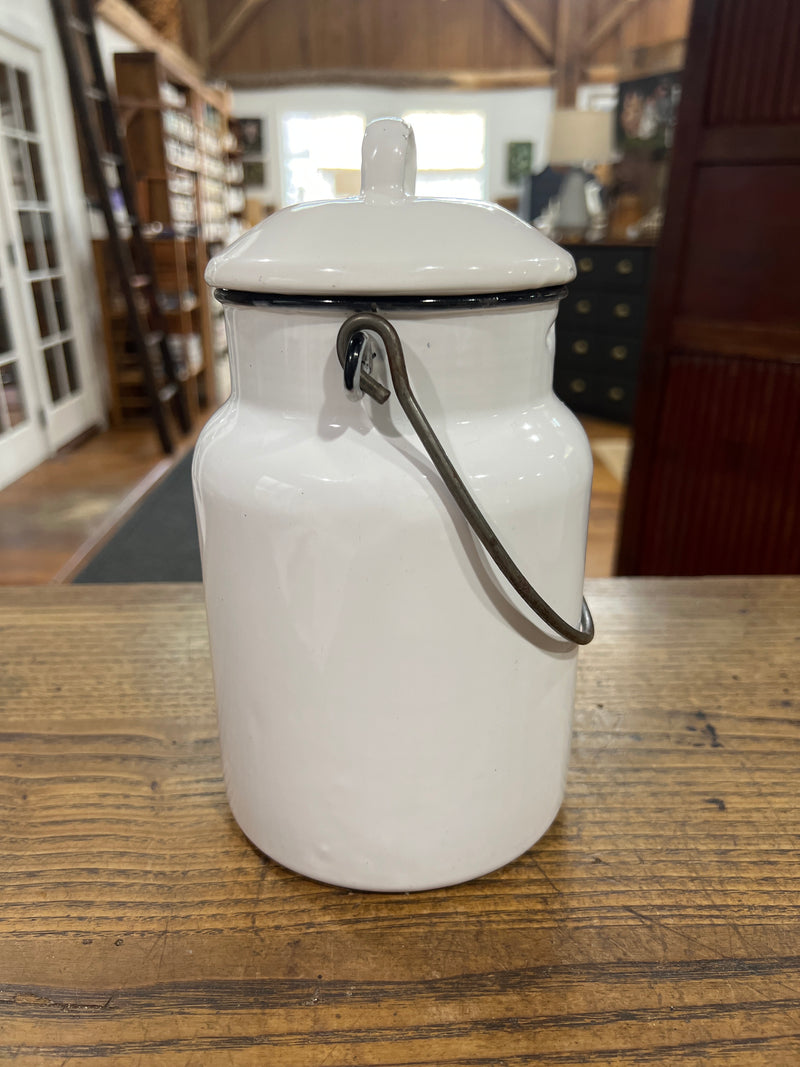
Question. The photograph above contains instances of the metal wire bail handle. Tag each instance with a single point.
(350, 346)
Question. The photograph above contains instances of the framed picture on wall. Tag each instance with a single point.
(254, 173)
(520, 161)
(251, 132)
(647, 110)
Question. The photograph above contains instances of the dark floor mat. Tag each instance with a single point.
(158, 543)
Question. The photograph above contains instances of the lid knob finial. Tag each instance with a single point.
(388, 161)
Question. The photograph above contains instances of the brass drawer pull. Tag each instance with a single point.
(585, 264)
(619, 352)
(583, 307)
(622, 311)
(624, 266)
(578, 385)
(580, 348)
(615, 393)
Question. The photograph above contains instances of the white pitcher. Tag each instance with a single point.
(393, 509)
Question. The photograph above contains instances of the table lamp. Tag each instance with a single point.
(577, 138)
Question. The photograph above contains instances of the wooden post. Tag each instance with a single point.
(568, 51)
(238, 21)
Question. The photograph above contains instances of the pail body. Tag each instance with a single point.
(391, 716)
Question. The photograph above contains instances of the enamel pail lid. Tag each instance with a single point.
(387, 241)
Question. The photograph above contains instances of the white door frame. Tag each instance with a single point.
(28, 39)
(23, 443)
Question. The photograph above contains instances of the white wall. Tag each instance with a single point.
(511, 115)
(109, 41)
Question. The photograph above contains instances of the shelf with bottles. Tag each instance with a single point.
(177, 136)
(212, 131)
(234, 170)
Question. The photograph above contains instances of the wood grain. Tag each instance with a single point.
(312, 40)
(657, 921)
(716, 437)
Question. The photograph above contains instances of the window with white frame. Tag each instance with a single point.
(451, 153)
(321, 156)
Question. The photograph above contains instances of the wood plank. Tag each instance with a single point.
(452, 79)
(180, 66)
(602, 73)
(530, 26)
(655, 22)
(608, 23)
(236, 24)
(668, 270)
(195, 29)
(743, 143)
(425, 35)
(417, 35)
(567, 52)
(713, 486)
(776, 341)
(656, 922)
(646, 60)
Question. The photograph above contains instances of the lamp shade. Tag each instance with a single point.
(580, 136)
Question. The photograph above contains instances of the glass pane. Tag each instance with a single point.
(17, 151)
(72, 367)
(25, 101)
(11, 388)
(29, 224)
(40, 190)
(5, 336)
(452, 186)
(50, 250)
(52, 359)
(60, 301)
(40, 298)
(323, 154)
(6, 100)
(449, 140)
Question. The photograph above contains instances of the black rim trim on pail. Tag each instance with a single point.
(243, 298)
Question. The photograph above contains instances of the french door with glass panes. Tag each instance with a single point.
(46, 396)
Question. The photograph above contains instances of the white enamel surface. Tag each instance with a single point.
(389, 242)
(390, 718)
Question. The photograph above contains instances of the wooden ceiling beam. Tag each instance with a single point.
(602, 73)
(195, 30)
(241, 15)
(606, 25)
(180, 66)
(530, 26)
(435, 79)
(567, 52)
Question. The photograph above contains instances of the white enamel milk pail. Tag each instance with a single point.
(393, 509)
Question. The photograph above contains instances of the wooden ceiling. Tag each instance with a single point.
(459, 43)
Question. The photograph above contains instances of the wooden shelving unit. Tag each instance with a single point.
(178, 272)
(186, 163)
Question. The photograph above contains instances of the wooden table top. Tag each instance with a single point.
(657, 922)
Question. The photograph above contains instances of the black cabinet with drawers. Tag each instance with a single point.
(599, 330)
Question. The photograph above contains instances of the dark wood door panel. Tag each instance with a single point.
(714, 485)
(755, 76)
(724, 483)
(743, 256)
